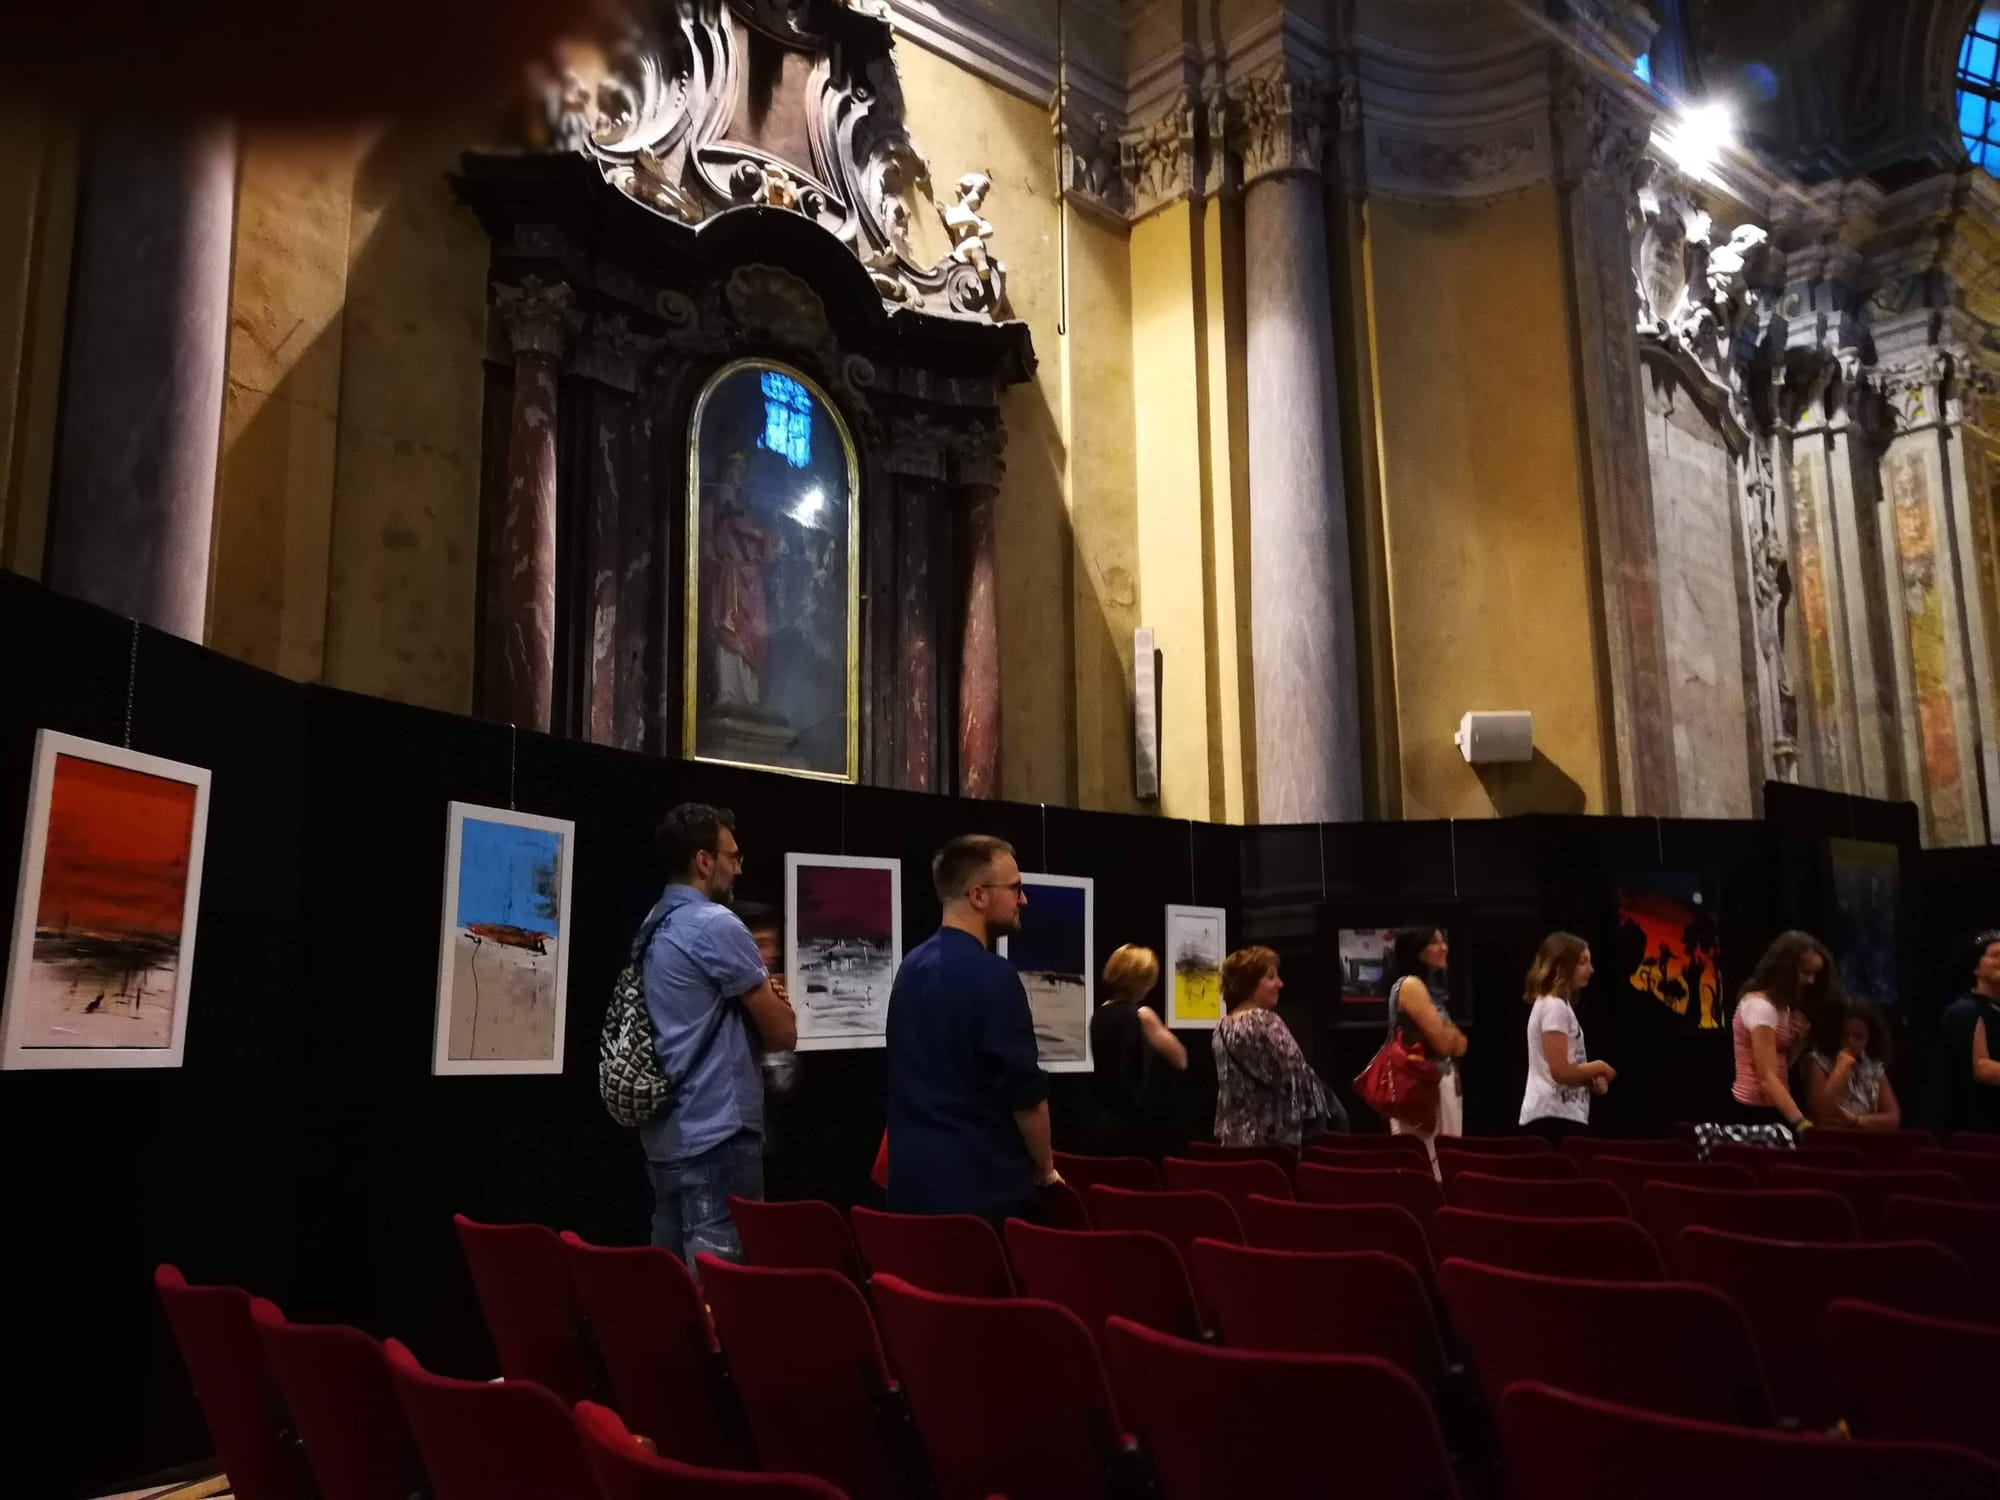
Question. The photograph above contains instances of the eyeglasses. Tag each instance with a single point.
(993, 885)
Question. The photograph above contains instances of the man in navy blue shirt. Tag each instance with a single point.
(968, 1103)
(707, 991)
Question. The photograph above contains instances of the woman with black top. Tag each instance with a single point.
(1129, 1047)
(1420, 1013)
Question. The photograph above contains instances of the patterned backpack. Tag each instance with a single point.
(630, 1081)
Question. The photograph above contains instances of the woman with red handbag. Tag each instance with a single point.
(1420, 1019)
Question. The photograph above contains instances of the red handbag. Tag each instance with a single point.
(1400, 1083)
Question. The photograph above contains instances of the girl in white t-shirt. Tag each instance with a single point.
(1560, 1080)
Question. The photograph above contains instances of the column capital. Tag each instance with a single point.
(1281, 119)
(538, 317)
(979, 456)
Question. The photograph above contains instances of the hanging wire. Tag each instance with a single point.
(1191, 889)
(131, 682)
(1451, 826)
(513, 745)
(1062, 177)
(1660, 840)
(1320, 829)
(1045, 837)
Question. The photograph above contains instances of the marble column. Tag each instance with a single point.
(1302, 637)
(915, 458)
(521, 617)
(134, 499)
(977, 469)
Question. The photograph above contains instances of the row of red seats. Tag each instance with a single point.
(325, 1412)
(1552, 1182)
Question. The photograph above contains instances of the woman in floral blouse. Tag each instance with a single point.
(1266, 1093)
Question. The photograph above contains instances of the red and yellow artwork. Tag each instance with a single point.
(1670, 945)
(1916, 545)
(104, 931)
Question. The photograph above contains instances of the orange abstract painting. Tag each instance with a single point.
(104, 931)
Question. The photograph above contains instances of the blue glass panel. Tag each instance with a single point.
(1643, 66)
(1979, 57)
(1971, 112)
(787, 419)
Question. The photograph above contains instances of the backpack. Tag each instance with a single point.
(630, 1081)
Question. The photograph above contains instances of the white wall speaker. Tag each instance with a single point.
(1495, 739)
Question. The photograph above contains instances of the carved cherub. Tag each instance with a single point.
(967, 227)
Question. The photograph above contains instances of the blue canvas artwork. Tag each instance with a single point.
(501, 969)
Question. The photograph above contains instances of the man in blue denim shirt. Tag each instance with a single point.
(706, 989)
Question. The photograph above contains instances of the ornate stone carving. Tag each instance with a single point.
(1157, 160)
(1090, 160)
(662, 127)
(615, 353)
(1603, 138)
(536, 316)
(917, 446)
(1770, 597)
(1280, 122)
(1695, 293)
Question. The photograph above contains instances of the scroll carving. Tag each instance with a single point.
(661, 125)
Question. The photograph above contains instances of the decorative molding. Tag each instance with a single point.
(979, 455)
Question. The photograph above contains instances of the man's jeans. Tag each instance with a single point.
(691, 1197)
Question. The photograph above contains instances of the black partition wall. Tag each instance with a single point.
(304, 1149)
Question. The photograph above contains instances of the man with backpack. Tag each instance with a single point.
(712, 1004)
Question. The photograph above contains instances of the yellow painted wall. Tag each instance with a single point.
(1067, 565)
(1481, 500)
(347, 497)
(38, 177)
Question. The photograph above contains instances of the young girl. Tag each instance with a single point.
(1793, 981)
(1847, 1083)
(1556, 1102)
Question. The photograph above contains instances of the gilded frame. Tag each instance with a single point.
(691, 605)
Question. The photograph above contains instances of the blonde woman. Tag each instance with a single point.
(1556, 1102)
(1129, 1046)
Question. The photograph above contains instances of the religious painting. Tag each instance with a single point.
(1864, 889)
(843, 940)
(1670, 944)
(1052, 953)
(503, 956)
(772, 629)
(1195, 946)
(104, 921)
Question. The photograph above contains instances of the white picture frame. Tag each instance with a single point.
(1194, 997)
(110, 821)
(495, 971)
(838, 959)
(1062, 1024)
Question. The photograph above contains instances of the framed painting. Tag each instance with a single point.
(1052, 953)
(1356, 948)
(1864, 898)
(102, 959)
(843, 941)
(1196, 943)
(1670, 944)
(773, 622)
(503, 952)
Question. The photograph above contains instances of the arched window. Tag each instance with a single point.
(1979, 89)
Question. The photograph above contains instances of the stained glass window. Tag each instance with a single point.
(788, 419)
(1643, 66)
(1979, 89)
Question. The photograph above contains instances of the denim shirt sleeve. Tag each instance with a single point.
(724, 951)
(1004, 1039)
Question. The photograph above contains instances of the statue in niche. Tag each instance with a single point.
(1717, 297)
(1771, 596)
(968, 228)
(739, 549)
